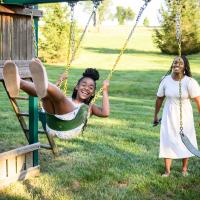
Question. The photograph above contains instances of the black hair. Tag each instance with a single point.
(187, 70)
(89, 73)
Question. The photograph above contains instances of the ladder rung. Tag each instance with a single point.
(26, 130)
(39, 131)
(45, 146)
(21, 98)
(23, 114)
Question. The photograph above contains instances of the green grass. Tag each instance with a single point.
(117, 157)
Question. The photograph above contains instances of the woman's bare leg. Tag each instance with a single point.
(55, 102)
(168, 162)
(61, 103)
(28, 87)
(185, 165)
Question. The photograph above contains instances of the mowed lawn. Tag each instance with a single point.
(117, 157)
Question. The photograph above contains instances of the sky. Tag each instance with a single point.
(151, 11)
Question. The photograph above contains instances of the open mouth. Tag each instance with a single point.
(176, 68)
(85, 93)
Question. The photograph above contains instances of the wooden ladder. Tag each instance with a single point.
(15, 102)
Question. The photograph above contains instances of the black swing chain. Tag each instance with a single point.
(96, 4)
(123, 49)
(35, 44)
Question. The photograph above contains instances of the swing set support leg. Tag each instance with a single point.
(33, 126)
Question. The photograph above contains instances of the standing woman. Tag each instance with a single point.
(171, 145)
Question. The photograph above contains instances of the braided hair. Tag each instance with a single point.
(89, 73)
(187, 70)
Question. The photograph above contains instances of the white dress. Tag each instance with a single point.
(171, 145)
(69, 116)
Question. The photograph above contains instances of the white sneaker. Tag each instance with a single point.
(11, 78)
(39, 77)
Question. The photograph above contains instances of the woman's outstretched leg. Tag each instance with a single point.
(28, 87)
(11, 78)
(48, 91)
(54, 101)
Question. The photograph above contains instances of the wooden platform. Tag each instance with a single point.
(18, 164)
(22, 66)
(16, 37)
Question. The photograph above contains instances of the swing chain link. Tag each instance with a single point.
(122, 50)
(178, 26)
(71, 44)
(95, 6)
(72, 39)
(82, 36)
(180, 104)
(35, 45)
(178, 38)
(73, 28)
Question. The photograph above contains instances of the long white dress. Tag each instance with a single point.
(171, 145)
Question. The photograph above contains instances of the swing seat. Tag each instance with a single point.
(189, 145)
(64, 125)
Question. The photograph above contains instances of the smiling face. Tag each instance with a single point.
(85, 89)
(178, 66)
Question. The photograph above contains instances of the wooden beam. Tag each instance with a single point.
(19, 151)
(22, 65)
(31, 172)
(28, 2)
(16, 10)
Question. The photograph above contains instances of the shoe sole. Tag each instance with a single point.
(11, 78)
(39, 77)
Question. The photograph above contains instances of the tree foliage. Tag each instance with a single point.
(53, 40)
(146, 22)
(124, 14)
(103, 11)
(165, 36)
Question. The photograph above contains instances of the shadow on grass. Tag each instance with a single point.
(11, 197)
(115, 161)
(127, 51)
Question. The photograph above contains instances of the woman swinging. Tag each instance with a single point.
(54, 102)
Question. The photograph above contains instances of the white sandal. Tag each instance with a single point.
(39, 77)
(165, 174)
(11, 78)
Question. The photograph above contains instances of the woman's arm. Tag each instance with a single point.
(103, 111)
(158, 105)
(197, 101)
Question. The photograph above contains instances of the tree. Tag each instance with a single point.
(123, 14)
(146, 22)
(102, 12)
(130, 15)
(165, 36)
(54, 34)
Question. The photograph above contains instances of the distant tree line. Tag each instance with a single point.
(53, 40)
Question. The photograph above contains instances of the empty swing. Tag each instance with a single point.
(184, 138)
